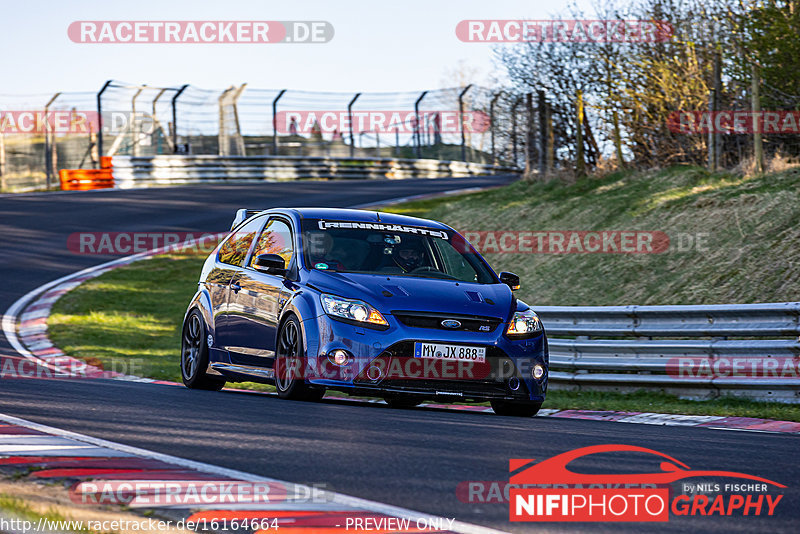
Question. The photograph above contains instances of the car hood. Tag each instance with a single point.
(390, 293)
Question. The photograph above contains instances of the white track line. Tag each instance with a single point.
(338, 498)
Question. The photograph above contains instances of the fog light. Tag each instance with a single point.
(339, 357)
(538, 371)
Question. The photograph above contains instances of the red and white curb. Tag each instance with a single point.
(94, 465)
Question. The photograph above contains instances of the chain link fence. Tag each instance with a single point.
(471, 123)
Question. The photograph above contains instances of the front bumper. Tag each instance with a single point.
(383, 362)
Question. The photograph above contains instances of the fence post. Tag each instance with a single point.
(48, 151)
(156, 124)
(239, 139)
(461, 117)
(491, 125)
(542, 105)
(530, 143)
(717, 106)
(100, 121)
(417, 140)
(551, 140)
(275, 122)
(2, 162)
(618, 140)
(350, 120)
(175, 117)
(711, 162)
(134, 133)
(222, 139)
(580, 165)
(758, 148)
(514, 129)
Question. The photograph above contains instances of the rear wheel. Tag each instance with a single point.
(194, 355)
(516, 409)
(290, 364)
(402, 401)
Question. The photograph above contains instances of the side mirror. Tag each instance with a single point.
(510, 279)
(270, 264)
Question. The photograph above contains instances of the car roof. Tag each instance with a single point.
(341, 214)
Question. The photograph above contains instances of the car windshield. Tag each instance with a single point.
(391, 249)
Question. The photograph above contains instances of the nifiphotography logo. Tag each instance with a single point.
(550, 491)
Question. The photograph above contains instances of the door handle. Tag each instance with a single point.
(236, 287)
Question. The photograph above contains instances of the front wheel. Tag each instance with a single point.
(194, 355)
(289, 365)
(516, 409)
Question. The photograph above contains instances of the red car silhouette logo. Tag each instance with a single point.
(554, 470)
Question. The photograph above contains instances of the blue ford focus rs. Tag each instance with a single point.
(363, 302)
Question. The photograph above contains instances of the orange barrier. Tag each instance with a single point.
(87, 179)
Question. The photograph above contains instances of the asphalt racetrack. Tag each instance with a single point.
(410, 458)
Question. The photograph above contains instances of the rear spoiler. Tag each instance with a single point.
(242, 215)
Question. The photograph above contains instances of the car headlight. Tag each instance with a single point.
(524, 324)
(352, 310)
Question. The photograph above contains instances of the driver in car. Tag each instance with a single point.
(408, 256)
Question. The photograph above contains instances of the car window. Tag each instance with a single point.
(234, 250)
(391, 249)
(455, 262)
(276, 238)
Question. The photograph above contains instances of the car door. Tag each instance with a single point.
(260, 299)
(224, 282)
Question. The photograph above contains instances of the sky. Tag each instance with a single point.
(381, 46)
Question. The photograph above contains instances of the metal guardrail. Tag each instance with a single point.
(153, 170)
(750, 350)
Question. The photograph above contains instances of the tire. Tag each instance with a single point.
(402, 401)
(289, 363)
(194, 354)
(515, 409)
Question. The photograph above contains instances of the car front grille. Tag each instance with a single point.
(399, 371)
(468, 323)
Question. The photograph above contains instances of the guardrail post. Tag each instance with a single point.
(175, 118)
(48, 155)
(418, 141)
(100, 120)
(275, 122)
(350, 120)
(461, 117)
